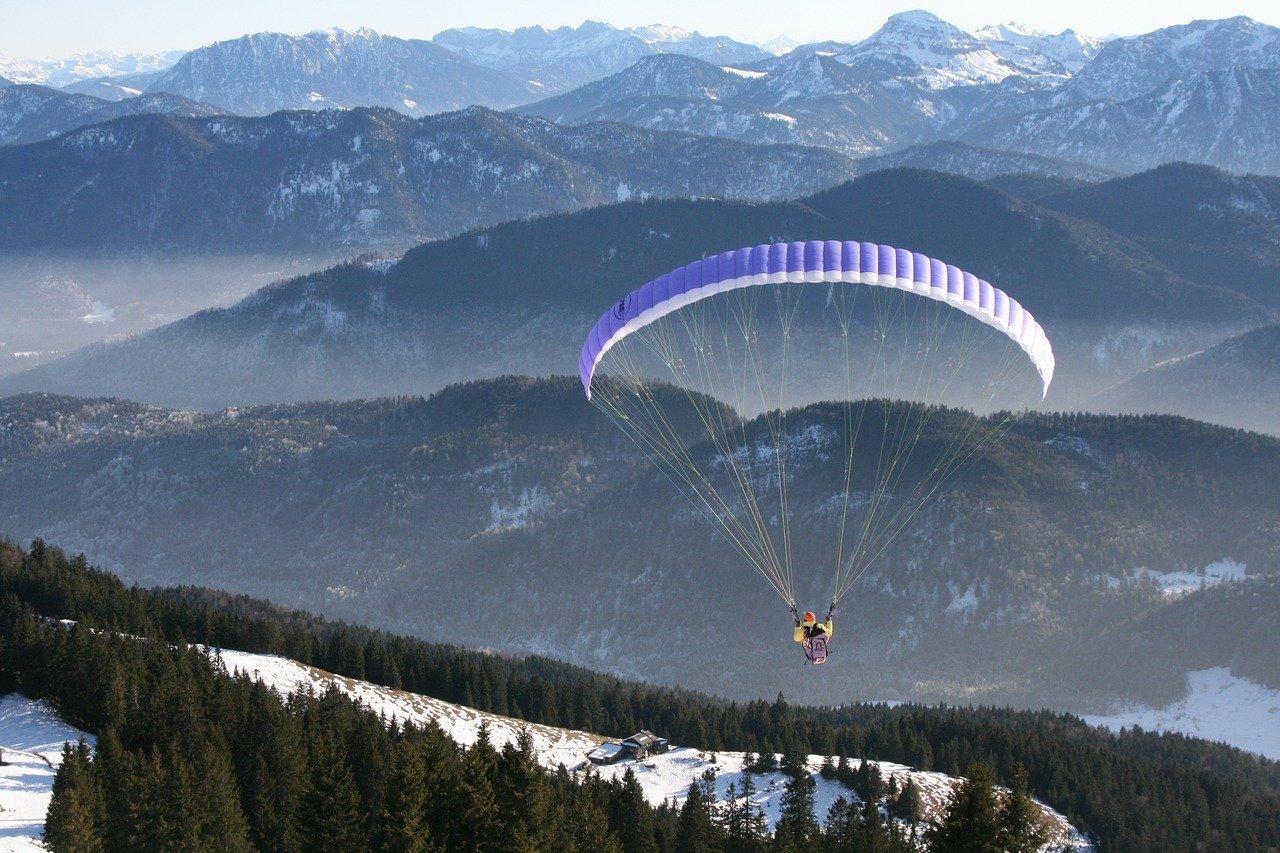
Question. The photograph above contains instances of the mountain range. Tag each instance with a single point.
(1203, 220)
(266, 72)
(31, 113)
(357, 177)
(1228, 117)
(559, 59)
(1235, 382)
(57, 72)
(367, 177)
(1206, 91)
(392, 511)
(443, 313)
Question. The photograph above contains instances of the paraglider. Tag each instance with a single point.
(812, 635)
(756, 339)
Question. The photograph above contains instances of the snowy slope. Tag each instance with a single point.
(663, 778)
(1013, 41)
(935, 54)
(554, 746)
(1219, 706)
(31, 734)
(1228, 118)
(1179, 583)
(1129, 67)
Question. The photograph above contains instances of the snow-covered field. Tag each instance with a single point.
(663, 778)
(1219, 706)
(31, 734)
(1174, 584)
(668, 777)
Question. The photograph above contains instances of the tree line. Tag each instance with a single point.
(1135, 791)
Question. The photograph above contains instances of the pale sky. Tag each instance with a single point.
(37, 28)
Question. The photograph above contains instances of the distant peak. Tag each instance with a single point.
(917, 18)
(662, 33)
(339, 33)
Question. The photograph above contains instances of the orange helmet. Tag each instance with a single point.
(809, 618)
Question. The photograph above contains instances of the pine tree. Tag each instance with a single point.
(586, 829)
(221, 821)
(971, 822)
(797, 827)
(841, 829)
(1022, 828)
(908, 805)
(74, 821)
(695, 833)
(402, 823)
(631, 816)
(872, 833)
(524, 798)
(476, 821)
(329, 814)
(754, 824)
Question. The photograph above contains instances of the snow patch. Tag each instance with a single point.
(32, 735)
(663, 778)
(1180, 583)
(1219, 706)
(1077, 446)
(527, 505)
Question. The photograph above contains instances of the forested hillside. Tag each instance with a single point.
(154, 184)
(1236, 382)
(192, 758)
(515, 499)
(520, 297)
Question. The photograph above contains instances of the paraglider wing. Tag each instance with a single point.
(813, 262)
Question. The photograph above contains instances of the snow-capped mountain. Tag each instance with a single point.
(1069, 49)
(921, 47)
(780, 45)
(63, 71)
(265, 72)
(1200, 92)
(1229, 118)
(360, 177)
(557, 60)
(806, 97)
(30, 113)
(669, 39)
(900, 86)
(1131, 67)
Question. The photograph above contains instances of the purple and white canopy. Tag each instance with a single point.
(814, 262)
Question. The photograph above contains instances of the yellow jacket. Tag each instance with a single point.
(829, 626)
